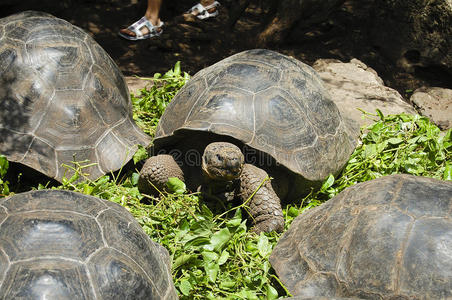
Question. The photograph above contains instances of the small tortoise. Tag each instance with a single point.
(254, 114)
(389, 238)
(62, 98)
(64, 245)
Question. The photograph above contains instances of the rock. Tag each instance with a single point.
(135, 84)
(413, 32)
(354, 86)
(436, 104)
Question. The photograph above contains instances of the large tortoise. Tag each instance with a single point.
(389, 238)
(257, 107)
(62, 98)
(64, 245)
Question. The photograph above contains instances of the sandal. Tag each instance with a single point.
(136, 28)
(202, 12)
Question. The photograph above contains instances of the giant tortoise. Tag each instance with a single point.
(64, 245)
(389, 238)
(251, 115)
(62, 99)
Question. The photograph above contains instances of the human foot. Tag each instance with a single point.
(204, 11)
(141, 29)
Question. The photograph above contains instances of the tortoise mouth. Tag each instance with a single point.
(220, 173)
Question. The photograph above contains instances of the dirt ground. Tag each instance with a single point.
(198, 44)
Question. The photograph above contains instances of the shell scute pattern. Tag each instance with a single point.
(72, 236)
(65, 244)
(269, 102)
(243, 75)
(62, 97)
(29, 280)
(386, 238)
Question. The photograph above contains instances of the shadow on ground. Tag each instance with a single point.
(198, 44)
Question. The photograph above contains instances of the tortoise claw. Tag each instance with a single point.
(275, 223)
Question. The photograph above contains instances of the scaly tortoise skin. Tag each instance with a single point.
(275, 110)
(389, 238)
(64, 245)
(62, 98)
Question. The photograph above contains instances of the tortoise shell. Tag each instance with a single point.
(62, 98)
(389, 238)
(269, 102)
(64, 245)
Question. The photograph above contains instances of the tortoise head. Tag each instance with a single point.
(222, 161)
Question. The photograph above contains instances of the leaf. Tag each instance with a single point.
(413, 168)
(236, 220)
(212, 271)
(209, 256)
(272, 293)
(177, 68)
(370, 151)
(394, 141)
(134, 178)
(293, 212)
(227, 284)
(87, 189)
(73, 178)
(182, 260)
(218, 240)
(140, 154)
(4, 165)
(247, 294)
(263, 246)
(327, 183)
(206, 212)
(175, 185)
(223, 258)
(185, 287)
(447, 175)
(198, 241)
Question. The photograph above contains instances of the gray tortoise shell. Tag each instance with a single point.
(389, 238)
(62, 98)
(64, 245)
(268, 101)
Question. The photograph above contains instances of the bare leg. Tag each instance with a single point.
(264, 207)
(152, 11)
(155, 174)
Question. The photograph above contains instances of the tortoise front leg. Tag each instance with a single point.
(155, 174)
(264, 206)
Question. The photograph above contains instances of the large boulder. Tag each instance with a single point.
(413, 32)
(436, 104)
(355, 87)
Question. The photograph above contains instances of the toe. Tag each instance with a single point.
(127, 32)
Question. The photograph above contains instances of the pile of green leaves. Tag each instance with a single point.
(402, 143)
(152, 101)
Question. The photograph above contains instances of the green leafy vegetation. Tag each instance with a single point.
(4, 165)
(214, 254)
(152, 101)
(397, 144)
